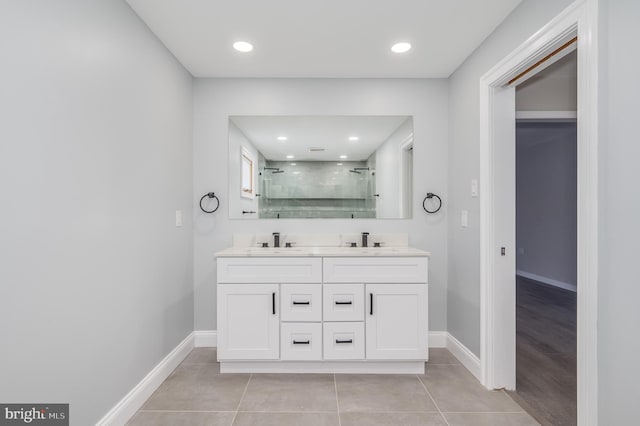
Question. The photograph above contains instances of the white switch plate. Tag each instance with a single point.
(474, 187)
(178, 218)
(464, 219)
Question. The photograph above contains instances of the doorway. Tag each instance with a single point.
(497, 203)
(546, 256)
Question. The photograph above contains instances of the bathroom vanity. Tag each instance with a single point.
(322, 309)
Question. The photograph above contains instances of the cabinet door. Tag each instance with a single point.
(248, 321)
(396, 321)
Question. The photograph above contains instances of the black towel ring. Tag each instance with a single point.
(428, 197)
(210, 195)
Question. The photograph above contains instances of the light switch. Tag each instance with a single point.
(464, 219)
(474, 187)
(178, 218)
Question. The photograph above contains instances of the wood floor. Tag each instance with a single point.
(546, 352)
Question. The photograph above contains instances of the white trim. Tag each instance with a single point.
(546, 280)
(569, 116)
(438, 339)
(122, 412)
(580, 17)
(326, 367)
(464, 355)
(206, 338)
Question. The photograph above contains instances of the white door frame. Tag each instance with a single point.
(497, 325)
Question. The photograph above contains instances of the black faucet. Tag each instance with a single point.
(276, 239)
(365, 237)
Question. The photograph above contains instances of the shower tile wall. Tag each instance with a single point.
(317, 189)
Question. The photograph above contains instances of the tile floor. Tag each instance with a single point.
(197, 394)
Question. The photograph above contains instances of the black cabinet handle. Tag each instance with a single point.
(344, 341)
(344, 303)
(273, 303)
(301, 303)
(370, 303)
(301, 342)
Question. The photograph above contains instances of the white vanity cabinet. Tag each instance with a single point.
(315, 314)
(248, 321)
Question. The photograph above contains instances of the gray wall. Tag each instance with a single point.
(95, 157)
(546, 225)
(463, 291)
(216, 99)
(619, 285)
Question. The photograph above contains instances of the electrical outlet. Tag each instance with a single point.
(474, 187)
(178, 218)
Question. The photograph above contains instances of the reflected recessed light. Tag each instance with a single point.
(293, 164)
(401, 47)
(353, 138)
(290, 157)
(343, 156)
(339, 164)
(282, 138)
(296, 173)
(243, 46)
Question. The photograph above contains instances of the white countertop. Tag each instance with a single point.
(322, 252)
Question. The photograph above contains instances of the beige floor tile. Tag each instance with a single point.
(202, 356)
(286, 419)
(198, 387)
(454, 389)
(441, 356)
(391, 419)
(290, 392)
(490, 419)
(382, 392)
(158, 418)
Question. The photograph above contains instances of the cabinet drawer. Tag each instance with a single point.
(269, 270)
(343, 302)
(343, 340)
(301, 341)
(301, 302)
(375, 270)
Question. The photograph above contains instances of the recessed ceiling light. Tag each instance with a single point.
(401, 47)
(353, 138)
(290, 157)
(339, 164)
(343, 156)
(282, 138)
(243, 46)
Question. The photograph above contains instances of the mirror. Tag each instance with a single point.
(285, 167)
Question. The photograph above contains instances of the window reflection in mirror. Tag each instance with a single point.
(321, 166)
(247, 175)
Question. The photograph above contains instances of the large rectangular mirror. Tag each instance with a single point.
(285, 167)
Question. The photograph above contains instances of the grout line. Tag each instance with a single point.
(186, 411)
(241, 398)
(433, 400)
(485, 412)
(335, 387)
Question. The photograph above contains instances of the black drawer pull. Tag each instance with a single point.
(301, 303)
(370, 303)
(344, 303)
(344, 341)
(273, 303)
(301, 342)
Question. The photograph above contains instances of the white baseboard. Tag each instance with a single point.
(464, 355)
(129, 405)
(206, 338)
(438, 339)
(549, 281)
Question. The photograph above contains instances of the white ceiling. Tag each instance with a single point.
(323, 38)
(329, 132)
